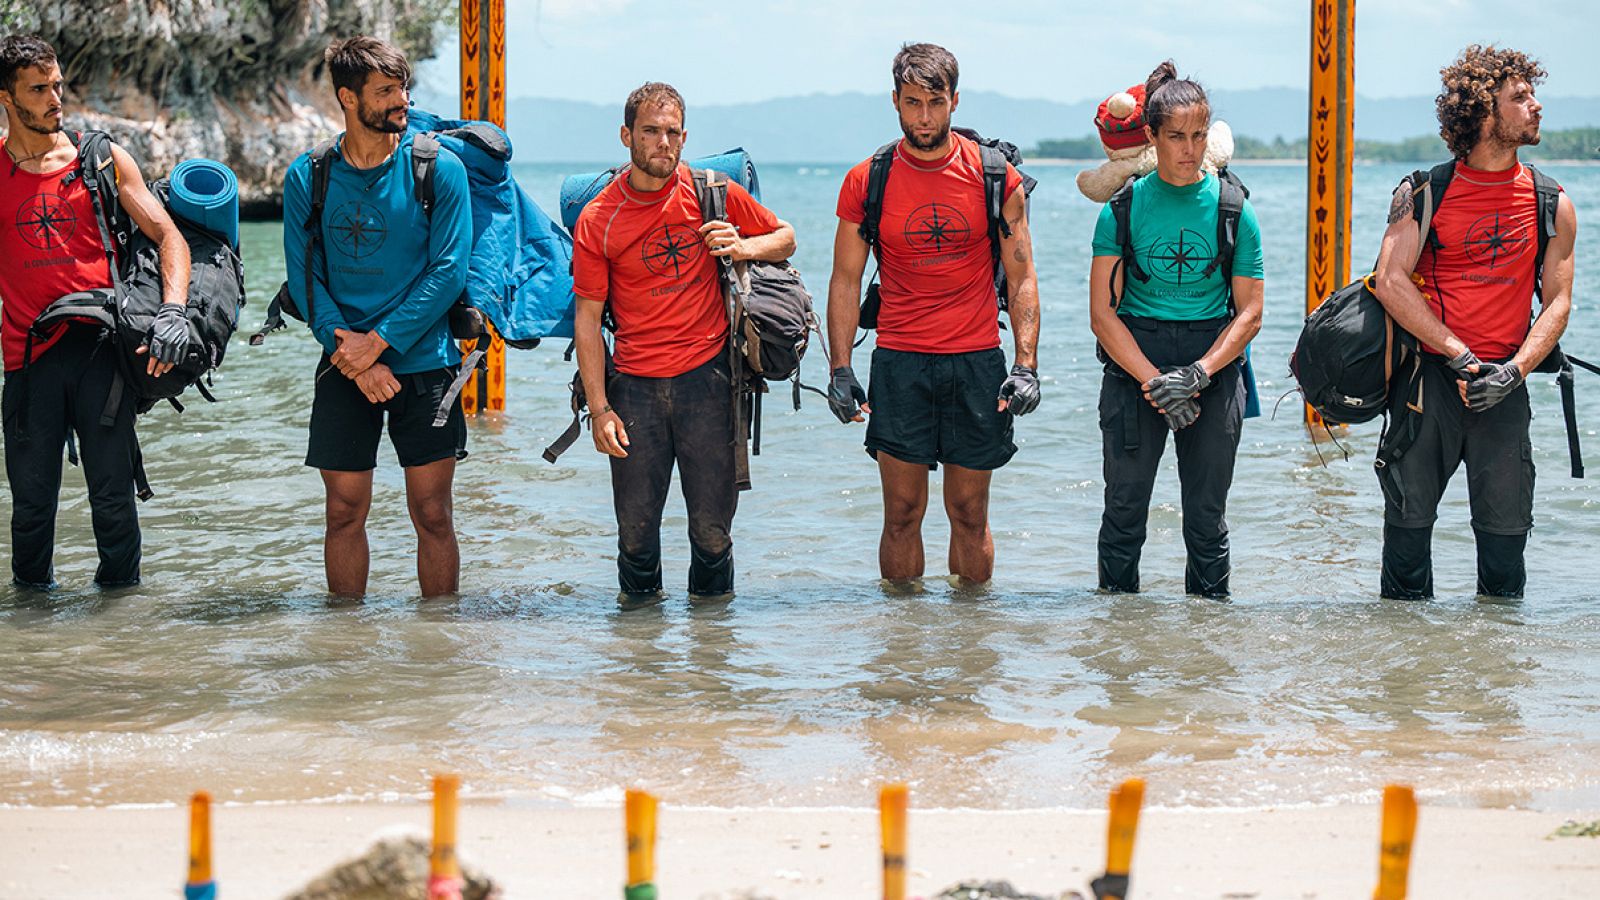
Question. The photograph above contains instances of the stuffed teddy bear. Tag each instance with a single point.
(1120, 120)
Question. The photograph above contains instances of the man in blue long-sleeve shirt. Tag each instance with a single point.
(383, 278)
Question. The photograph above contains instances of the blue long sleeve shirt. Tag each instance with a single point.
(384, 265)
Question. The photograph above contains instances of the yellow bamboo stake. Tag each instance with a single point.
(1121, 828)
(893, 801)
(199, 839)
(444, 869)
(483, 96)
(1394, 848)
(1330, 156)
(639, 824)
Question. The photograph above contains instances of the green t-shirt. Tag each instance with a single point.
(1174, 239)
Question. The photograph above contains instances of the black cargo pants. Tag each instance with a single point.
(66, 388)
(1134, 437)
(1498, 454)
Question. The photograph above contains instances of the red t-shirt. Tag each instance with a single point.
(643, 253)
(49, 247)
(935, 272)
(1480, 283)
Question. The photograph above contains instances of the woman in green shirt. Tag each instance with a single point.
(1172, 328)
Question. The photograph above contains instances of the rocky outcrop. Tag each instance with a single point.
(239, 81)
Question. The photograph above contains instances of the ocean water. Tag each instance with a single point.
(229, 670)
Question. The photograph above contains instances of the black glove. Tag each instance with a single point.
(169, 334)
(845, 394)
(1182, 414)
(1177, 384)
(1020, 391)
(1494, 383)
(1458, 365)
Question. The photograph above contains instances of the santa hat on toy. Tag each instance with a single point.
(1121, 119)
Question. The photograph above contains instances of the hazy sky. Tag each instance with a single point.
(742, 50)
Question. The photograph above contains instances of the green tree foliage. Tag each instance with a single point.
(18, 16)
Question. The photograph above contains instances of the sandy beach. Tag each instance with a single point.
(264, 851)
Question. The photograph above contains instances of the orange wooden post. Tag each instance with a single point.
(1394, 848)
(893, 801)
(1122, 826)
(483, 96)
(444, 869)
(639, 828)
(199, 845)
(1331, 154)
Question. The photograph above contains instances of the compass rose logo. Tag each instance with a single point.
(670, 251)
(1181, 260)
(358, 229)
(1495, 239)
(935, 227)
(46, 222)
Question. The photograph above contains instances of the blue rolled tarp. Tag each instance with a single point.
(520, 272)
(206, 193)
(578, 190)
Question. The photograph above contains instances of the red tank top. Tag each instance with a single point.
(1480, 282)
(49, 246)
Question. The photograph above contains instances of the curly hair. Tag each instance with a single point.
(1468, 96)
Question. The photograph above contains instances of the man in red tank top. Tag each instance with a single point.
(50, 246)
(940, 392)
(1471, 315)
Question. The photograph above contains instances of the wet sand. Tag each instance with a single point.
(267, 850)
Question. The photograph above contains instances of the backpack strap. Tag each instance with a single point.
(1231, 194)
(1429, 187)
(994, 200)
(1122, 214)
(321, 171)
(711, 190)
(424, 160)
(877, 183)
(1547, 194)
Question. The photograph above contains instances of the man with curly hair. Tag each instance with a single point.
(1470, 308)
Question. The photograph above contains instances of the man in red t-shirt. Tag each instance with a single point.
(665, 396)
(1471, 315)
(939, 388)
(51, 246)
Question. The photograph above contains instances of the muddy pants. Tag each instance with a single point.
(66, 388)
(685, 420)
(1134, 436)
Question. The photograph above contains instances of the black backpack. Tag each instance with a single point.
(126, 310)
(996, 154)
(770, 321)
(1350, 352)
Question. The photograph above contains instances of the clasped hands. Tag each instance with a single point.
(1175, 393)
(356, 357)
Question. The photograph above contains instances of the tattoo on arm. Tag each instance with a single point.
(1019, 255)
(1402, 205)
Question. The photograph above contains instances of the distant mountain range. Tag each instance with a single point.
(848, 127)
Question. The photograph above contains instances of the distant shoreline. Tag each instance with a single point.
(1059, 161)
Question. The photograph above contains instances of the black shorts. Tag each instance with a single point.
(933, 408)
(346, 427)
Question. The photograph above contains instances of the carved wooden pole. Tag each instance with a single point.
(483, 96)
(1331, 153)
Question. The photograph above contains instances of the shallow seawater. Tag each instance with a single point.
(228, 669)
